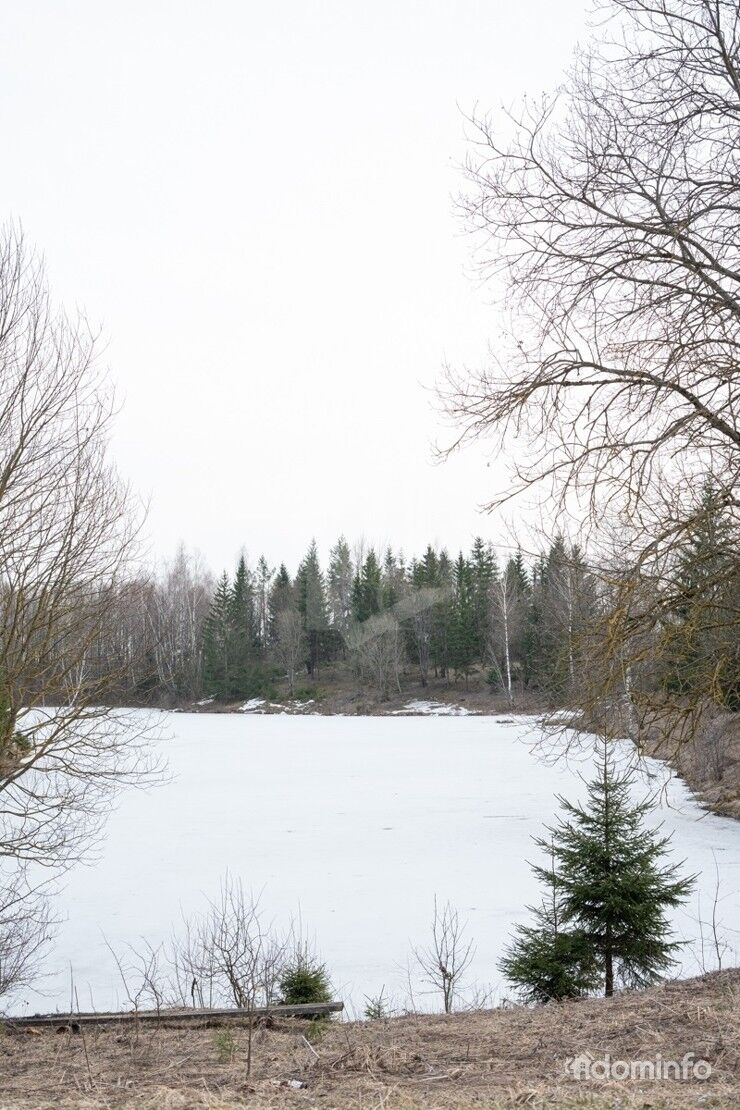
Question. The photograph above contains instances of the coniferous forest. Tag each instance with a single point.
(528, 628)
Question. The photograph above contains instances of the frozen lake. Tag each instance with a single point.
(356, 823)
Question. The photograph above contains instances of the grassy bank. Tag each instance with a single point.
(495, 1058)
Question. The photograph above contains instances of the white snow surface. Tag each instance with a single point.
(355, 823)
(253, 705)
(433, 709)
(260, 705)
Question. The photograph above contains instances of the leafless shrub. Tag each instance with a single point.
(229, 955)
(445, 960)
(143, 974)
(376, 647)
(417, 610)
(26, 928)
(712, 945)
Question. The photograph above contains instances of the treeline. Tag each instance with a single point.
(536, 624)
(434, 616)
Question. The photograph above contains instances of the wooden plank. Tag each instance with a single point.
(305, 1010)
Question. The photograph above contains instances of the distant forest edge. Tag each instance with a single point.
(525, 628)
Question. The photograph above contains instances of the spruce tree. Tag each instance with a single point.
(427, 571)
(243, 681)
(261, 596)
(366, 589)
(356, 599)
(392, 581)
(462, 634)
(217, 642)
(484, 572)
(340, 582)
(561, 610)
(282, 597)
(699, 650)
(312, 606)
(443, 612)
(546, 960)
(613, 884)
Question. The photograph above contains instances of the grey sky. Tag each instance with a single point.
(254, 201)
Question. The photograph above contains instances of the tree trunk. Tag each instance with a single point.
(609, 967)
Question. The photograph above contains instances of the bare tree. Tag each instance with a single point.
(609, 216)
(417, 611)
(445, 960)
(289, 644)
(376, 645)
(68, 544)
(26, 928)
(177, 608)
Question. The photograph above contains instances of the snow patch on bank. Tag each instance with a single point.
(260, 705)
(254, 705)
(433, 709)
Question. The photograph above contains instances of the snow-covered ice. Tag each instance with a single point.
(356, 823)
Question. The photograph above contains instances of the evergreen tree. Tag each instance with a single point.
(426, 572)
(699, 650)
(340, 583)
(463, 640)
(563, 604)
(613, 887)
(356, 598)
(484, 572)
(231, 664)
(262, 580)
(392, 581)
(217, 642)
(282, 597)
(546, 960)
(443, 611)
(242, 630)
(366, 589)
(311, 595)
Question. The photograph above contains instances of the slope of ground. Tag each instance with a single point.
(709, 760)
(496, 1058)
(336, 689)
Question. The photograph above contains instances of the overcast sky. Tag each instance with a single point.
(253, 200)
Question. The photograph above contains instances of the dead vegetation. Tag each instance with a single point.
(496, 1058)
(709, 761)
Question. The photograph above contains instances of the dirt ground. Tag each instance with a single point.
(513, 1057)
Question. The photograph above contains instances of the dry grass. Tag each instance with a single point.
(495, 1058)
